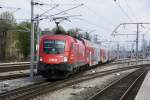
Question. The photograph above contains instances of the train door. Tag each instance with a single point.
(97, 55)
(90, 58)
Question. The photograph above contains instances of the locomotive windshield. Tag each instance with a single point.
(54, 46)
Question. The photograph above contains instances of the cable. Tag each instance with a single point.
(53, 15)
(2, 6)
(70, 24)
(86, 21)
(64, 11)
(123, 11)
(61, 11)
(66, 4)
(94, 13)
(47, 10)
(11, 8)
(146, 31)
(83, 20)
(68, 9)
(90, 23)
(41, 16)
(130, 10)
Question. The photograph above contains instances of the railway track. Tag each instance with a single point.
(32, 91)
(10, 68)
(14, 76)
(6, 67)
(123, 89)
(14, 70)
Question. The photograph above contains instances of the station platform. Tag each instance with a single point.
(144, 91)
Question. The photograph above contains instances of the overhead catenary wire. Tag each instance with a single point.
(10, 8)
(68, 9)
(84, 20)
(90, 23)
(6, 7)
(70, 24)
(47, 10)
(130, 9)
(123, 11)
(52, 15)
(95, 14)
(50, 18)
(51, 4)
(65, 12)
(146, 31)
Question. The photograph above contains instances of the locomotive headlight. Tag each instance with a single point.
(41, 59)
(65, 59)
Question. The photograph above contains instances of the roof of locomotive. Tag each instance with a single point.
(63, 37)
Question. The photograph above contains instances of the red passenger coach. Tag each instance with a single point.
(91, 52)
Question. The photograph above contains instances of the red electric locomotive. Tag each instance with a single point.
(60, 55)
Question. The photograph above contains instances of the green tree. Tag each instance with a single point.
(71, 32)
(87, 36)
(74, 32)
(60, 31)
(7, 22)
(23, 30)
(24, 38)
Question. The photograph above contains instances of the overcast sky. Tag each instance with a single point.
(97, 16)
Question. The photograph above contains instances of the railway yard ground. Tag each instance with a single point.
(78, 87)
(83, 90)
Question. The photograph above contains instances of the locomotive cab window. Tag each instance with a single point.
(54, 46)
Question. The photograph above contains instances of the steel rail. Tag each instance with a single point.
(16, 63)
(108, 86)
(95, 96)
(131, 86)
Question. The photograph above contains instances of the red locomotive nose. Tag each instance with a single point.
(53, 51)
(54, 59)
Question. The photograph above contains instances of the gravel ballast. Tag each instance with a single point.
(82, 91)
